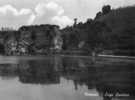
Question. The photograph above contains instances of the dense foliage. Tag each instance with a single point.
(112, 31)
(122, 35)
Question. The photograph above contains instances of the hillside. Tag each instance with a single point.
(112, 30)
(122, 24)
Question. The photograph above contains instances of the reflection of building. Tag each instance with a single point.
(38, 72)
(8, 71)
(109, 79)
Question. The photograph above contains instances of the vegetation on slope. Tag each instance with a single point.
(112, 31)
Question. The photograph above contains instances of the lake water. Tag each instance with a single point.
(67, 78)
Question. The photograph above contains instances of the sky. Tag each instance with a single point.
(15, 13)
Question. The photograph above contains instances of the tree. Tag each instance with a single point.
(106, 9)
(75, 21)
(98, 15)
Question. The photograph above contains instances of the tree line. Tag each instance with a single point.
(112, 31)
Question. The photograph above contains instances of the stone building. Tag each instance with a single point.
(29, 40)
(37, 39)
(10, 42)
(58, 41)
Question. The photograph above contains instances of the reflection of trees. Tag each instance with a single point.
(38, 72)
(8, 70)
(80, 71)
(109, 79)
(116, 79)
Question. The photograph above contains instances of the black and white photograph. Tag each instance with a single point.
(67, 49)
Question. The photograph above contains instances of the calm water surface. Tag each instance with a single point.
(67, 78)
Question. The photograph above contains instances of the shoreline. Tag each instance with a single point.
(114, 56)
(65, 55)
(100, 58)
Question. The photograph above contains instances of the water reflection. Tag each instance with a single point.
(111, 80)
(41, 72)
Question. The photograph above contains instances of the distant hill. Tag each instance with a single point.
(122, 24)
(112, 29)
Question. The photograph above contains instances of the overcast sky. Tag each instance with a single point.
(15, 13)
